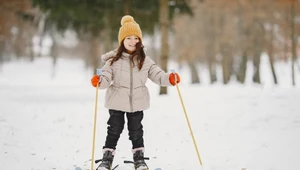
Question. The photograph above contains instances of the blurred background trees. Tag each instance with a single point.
(232, 33)
(210, 34)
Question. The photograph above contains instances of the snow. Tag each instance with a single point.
(46, 121)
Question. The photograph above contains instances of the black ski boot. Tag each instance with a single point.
(139, 160)
(106, 161)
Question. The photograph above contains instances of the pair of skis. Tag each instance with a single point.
(128, 162)
(78, 168)
(115, 167)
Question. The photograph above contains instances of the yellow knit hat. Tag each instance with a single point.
(129, 27)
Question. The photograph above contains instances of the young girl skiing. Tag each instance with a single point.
(124, 74)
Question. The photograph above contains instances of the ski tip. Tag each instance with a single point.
(157, 169)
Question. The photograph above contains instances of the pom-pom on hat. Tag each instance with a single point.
(129, 27)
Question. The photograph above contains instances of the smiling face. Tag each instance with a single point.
(130, 43)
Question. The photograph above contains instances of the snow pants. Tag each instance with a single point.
(115, 127)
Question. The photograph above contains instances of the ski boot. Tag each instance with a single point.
(107, 159)
(139, 160)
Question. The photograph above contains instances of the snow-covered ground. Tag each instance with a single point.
(46, 121)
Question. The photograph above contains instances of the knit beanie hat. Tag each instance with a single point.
(129, 27)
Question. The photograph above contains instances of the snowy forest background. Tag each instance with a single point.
(209, 36)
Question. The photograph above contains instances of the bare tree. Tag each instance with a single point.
(164, 29)
(293, 39)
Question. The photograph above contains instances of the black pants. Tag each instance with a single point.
(116, 125)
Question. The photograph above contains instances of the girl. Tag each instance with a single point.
(124, 74)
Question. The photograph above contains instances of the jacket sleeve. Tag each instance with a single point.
(156, 74)
(107, 75)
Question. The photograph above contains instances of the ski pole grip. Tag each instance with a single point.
(99, 71)
(173, 72)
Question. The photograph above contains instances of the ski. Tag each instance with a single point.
(116, 167)
(78, 168)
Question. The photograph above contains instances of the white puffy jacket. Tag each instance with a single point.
(126, 84)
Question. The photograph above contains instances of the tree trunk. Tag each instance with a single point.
(225, 69)
(210, 51)
(258, 48)
(1, 53)
(164, 27)
(154, 51)
(54, 51)
(256, 64)
(241, 75)
(127, 7)
(285, 50)
(2, 44)
(31, 52)
(95, 53)
(271, 56)
(210, 55)
(19, 45)
(106, 34)
(212, 70)
(194, 72)
(226, 63)
(293, 39)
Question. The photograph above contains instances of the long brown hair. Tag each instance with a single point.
(138, 53)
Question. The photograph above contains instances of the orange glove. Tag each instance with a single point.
(172, 78)
(95, 80)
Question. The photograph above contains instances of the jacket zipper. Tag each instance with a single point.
(131, 87)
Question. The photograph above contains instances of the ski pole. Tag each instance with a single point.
(99, 72)
(187, 118)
